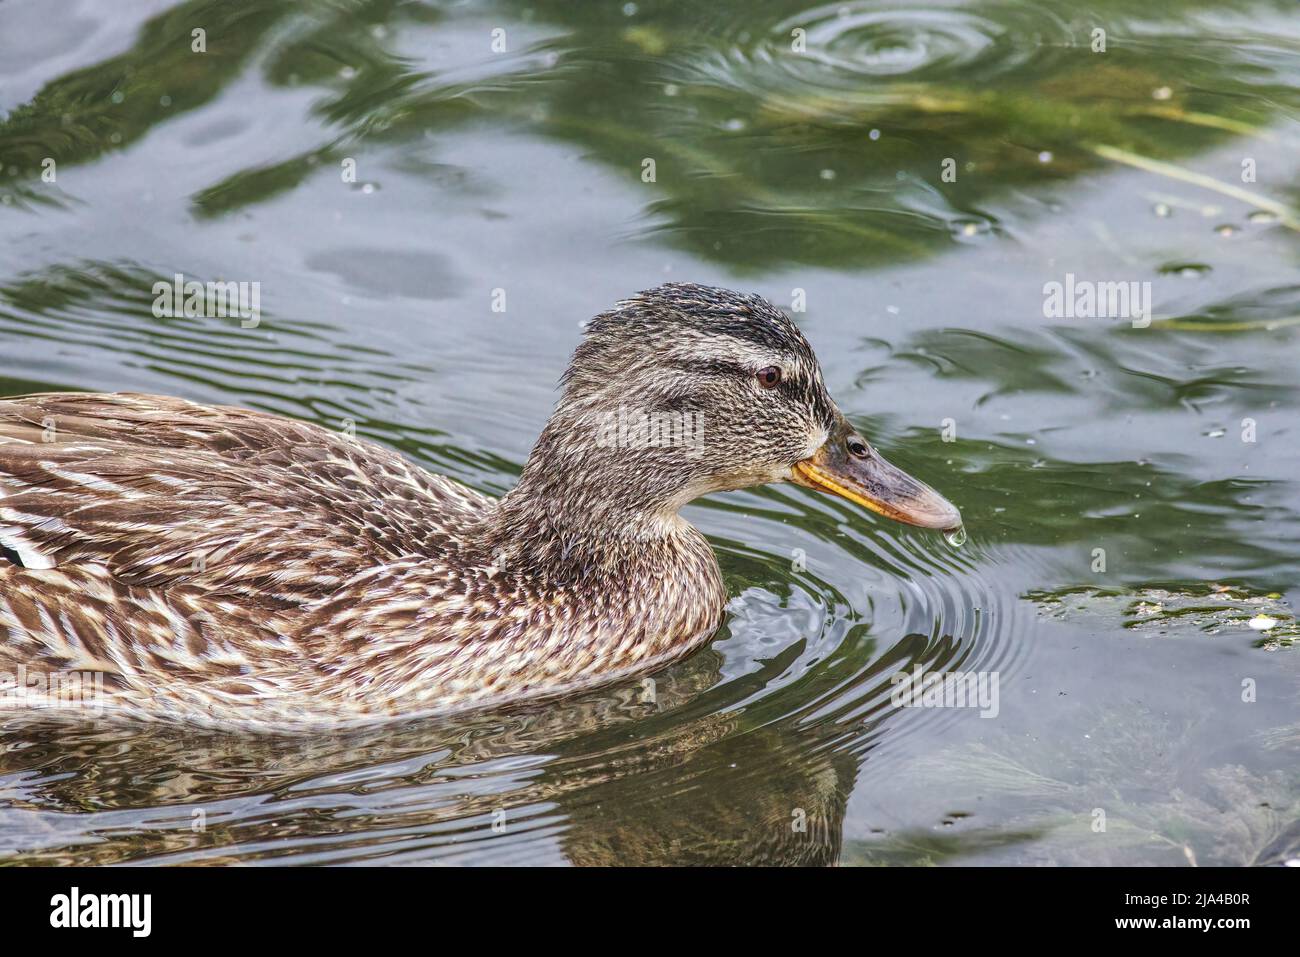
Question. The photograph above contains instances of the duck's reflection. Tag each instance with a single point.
(687, 770)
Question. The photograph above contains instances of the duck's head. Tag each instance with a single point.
(684, 390)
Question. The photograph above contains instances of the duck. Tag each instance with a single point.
(165, 560)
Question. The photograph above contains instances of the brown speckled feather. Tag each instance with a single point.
(162, 491)
(271, 572)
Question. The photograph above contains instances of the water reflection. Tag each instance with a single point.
(701, 782)
(748, 118)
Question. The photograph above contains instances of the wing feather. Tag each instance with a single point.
(161, 491)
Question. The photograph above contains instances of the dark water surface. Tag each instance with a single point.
(1137, 695)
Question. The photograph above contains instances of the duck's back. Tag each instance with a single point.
(145, 534)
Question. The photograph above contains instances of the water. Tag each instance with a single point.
(1128, 492)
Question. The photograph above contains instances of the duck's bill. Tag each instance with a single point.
(877, 485)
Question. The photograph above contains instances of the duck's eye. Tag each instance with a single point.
(769, 377)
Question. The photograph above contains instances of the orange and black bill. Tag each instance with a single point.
(847, 466)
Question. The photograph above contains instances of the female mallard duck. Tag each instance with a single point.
(229, 567)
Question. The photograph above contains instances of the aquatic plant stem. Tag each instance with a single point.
(1285, 214)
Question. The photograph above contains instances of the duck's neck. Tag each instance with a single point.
(579, 510)
(591, 548)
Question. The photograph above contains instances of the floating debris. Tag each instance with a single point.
(1212, 610)
(1186, 270)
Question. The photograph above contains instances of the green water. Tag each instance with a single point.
(1128, 490)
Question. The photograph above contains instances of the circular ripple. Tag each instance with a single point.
(893, 43)
(841, 45)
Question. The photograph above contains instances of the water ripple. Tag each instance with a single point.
(840, 45)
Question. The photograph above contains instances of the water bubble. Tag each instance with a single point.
(1262, 216)
(1226, 230)
(1161, 93)
(956, 537)
(1045, 156)
(1162, 210)
(968, 229)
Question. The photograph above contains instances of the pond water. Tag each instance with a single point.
(907, 179)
